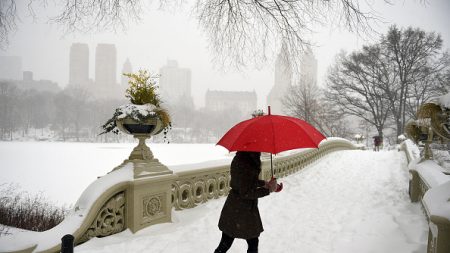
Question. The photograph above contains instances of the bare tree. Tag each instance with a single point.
(354, 85)
(306, 101)
(9, 112)
(239, 31)
(416, 59)
(392, 77)
(444, 80)
(302, 101)
(420, 92)
(8, 16)
(78, 109)
(62, 113)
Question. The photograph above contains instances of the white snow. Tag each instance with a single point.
(444, 100)
(133, 110)
(437, 200)
(431, 173)
(349, 201)
(72, 221)
(61, 171)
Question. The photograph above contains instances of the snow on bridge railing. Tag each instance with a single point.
(430, 185)
(209, 181)
(129, 197)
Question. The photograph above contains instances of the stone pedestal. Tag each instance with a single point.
(149, 195)
(149, 201)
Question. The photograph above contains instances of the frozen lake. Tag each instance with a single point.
(62, 170)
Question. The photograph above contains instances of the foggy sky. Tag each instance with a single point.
(163, 35)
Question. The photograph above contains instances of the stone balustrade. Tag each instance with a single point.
(197, 186)
(430, 186)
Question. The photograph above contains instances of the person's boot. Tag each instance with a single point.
(221, 249)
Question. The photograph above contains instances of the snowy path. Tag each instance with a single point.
(349, 201)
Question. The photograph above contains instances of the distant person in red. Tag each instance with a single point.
(240, 215)
(376, 143)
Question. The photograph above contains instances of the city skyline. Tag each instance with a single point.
(174, 35)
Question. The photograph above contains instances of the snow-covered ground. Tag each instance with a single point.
(62, 170)
(349, 201)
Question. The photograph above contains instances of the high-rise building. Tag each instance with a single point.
(27, 76)
(174, 82)
(127, 68)
(282, 82)
(10, 68)
(243, 101)
(79, 64)
(308, 67)
(105, 65)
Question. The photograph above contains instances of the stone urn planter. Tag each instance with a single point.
(142, 122)
(143, 117)
(141, 131)
(148, 195)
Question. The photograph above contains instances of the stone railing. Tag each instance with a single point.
(196, 186)
(193, 187)
(132, 196)
(430, 186)
(286, 165)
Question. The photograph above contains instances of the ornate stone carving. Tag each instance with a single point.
(193, 190)
(153, 207)
(110, 219)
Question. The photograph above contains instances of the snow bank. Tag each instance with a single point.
(431, 173)
(437, 201)
(444, 100)
(72, 222)
(412, 151)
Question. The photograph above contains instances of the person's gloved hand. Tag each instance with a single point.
(279, 187)
(272, 184)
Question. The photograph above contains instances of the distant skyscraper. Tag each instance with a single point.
(282, 82)
(174, 82)
(79, 64)
(27, 76)
(127, 68)
(244, 101)
(308, 67)
(105, 65)
(11, 68)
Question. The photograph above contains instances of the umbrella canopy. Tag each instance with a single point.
(272, 134)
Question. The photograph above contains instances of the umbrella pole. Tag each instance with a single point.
(271, 166)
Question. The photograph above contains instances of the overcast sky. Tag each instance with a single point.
(163, 35)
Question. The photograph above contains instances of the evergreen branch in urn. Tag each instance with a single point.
(145, 103)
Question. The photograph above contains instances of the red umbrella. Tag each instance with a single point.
(272, 134)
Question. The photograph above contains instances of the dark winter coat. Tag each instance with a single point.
(240, 215)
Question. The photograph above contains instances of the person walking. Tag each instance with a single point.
(377, 143)
(240, 215)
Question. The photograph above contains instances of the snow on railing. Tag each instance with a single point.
(205, 182)
(431, 186)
